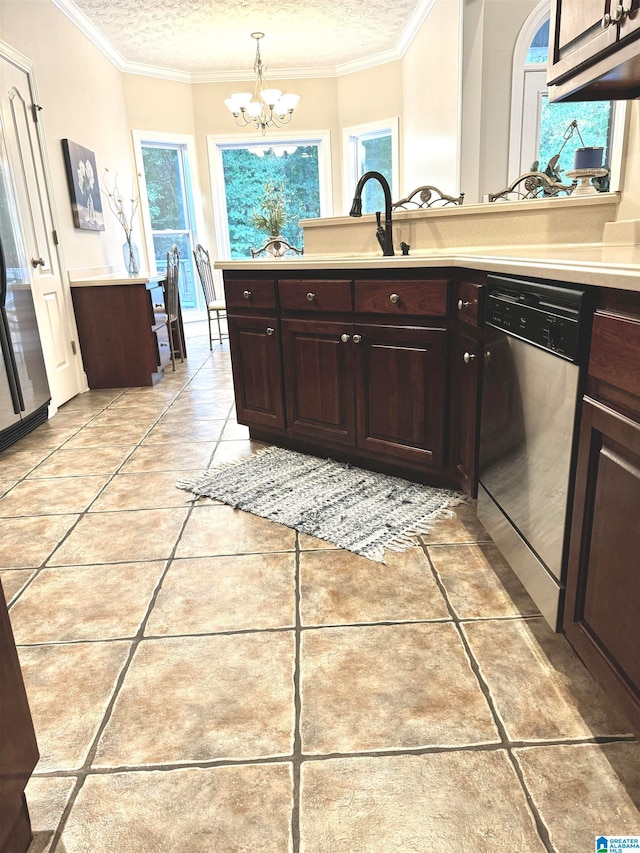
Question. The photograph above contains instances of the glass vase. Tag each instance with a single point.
(131, 257)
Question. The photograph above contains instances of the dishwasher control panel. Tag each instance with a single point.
(543, 315)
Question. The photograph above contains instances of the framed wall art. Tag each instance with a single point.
(82, 178)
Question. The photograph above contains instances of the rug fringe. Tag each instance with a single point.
(409, 538)
(192, 485)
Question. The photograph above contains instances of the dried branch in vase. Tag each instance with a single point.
(117, 203)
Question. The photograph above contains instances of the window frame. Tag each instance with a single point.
(518, 105)
(351, 136)
(216, 143)
(190, 175)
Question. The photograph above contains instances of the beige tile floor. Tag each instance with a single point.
(204, 680)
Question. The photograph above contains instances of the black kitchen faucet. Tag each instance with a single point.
(384, 234)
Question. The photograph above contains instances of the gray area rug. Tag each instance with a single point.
(362, 511)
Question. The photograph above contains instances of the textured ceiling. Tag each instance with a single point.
(213, 36)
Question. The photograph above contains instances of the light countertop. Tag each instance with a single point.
(114, 279)
(594, 264)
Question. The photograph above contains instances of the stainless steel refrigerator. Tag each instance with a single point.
(24, 391)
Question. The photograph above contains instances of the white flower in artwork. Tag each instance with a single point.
(82, 175)
(90, 175)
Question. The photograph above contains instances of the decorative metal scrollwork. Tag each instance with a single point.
(533, 185)
(425, 197)
(277, 247)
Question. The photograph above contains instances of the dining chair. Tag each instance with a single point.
(172, 305)
(214, 305)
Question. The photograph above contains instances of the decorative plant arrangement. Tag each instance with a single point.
(273, 204)
(272, 220)
(124, 210)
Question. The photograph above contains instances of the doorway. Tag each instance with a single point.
(21, 140)
(165, 166)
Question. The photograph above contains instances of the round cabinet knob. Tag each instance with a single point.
(462, 304)
(606, 21)
(357, 339)
(311, 297)
(393, 299)
(619, 13)
(247, 294)
(344, 338)
(468, 356)
(270, 331)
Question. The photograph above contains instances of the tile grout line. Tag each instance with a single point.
(506, 744)
(297, 699)
(86, 770)
(82, 773)
(328, 756)
(43, 565)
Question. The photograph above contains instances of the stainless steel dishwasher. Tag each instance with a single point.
(531, 384)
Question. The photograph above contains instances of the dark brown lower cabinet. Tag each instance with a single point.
(378, 388)
(18, 748)
(401, 392)
(603, 582)
(257, 370)
(318, 361)
(466, 410)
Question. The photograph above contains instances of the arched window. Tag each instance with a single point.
(538, 128)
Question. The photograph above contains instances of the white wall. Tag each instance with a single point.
(503, 20)
(431, 114)
(82, 99)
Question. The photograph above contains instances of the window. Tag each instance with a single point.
(538, 127)
(370, 147)
(244, 175)
(167, 206)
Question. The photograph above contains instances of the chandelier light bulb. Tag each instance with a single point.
(264, 108)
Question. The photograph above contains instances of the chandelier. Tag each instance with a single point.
(266, 107)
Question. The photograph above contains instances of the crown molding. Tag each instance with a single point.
(77, 17)
(88, 29)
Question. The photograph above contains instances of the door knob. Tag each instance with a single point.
(344, 338)
(310, 297)
(357, 339)
(37, 262)
(468, 356)
(247, 294)
(394, 298)
(270, 331)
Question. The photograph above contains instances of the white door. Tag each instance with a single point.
(51, 296)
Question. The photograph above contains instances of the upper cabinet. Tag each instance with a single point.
(595, 50)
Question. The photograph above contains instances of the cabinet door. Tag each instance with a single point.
(319, 371)
(579, 34)
(468, 360)
(630, 23)
(603, 581)
(401, 392)
(257, 370)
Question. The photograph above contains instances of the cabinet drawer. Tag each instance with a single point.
(249, 293)
(468, 298)
(615, 351)
(315, 295)
(423, 297)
